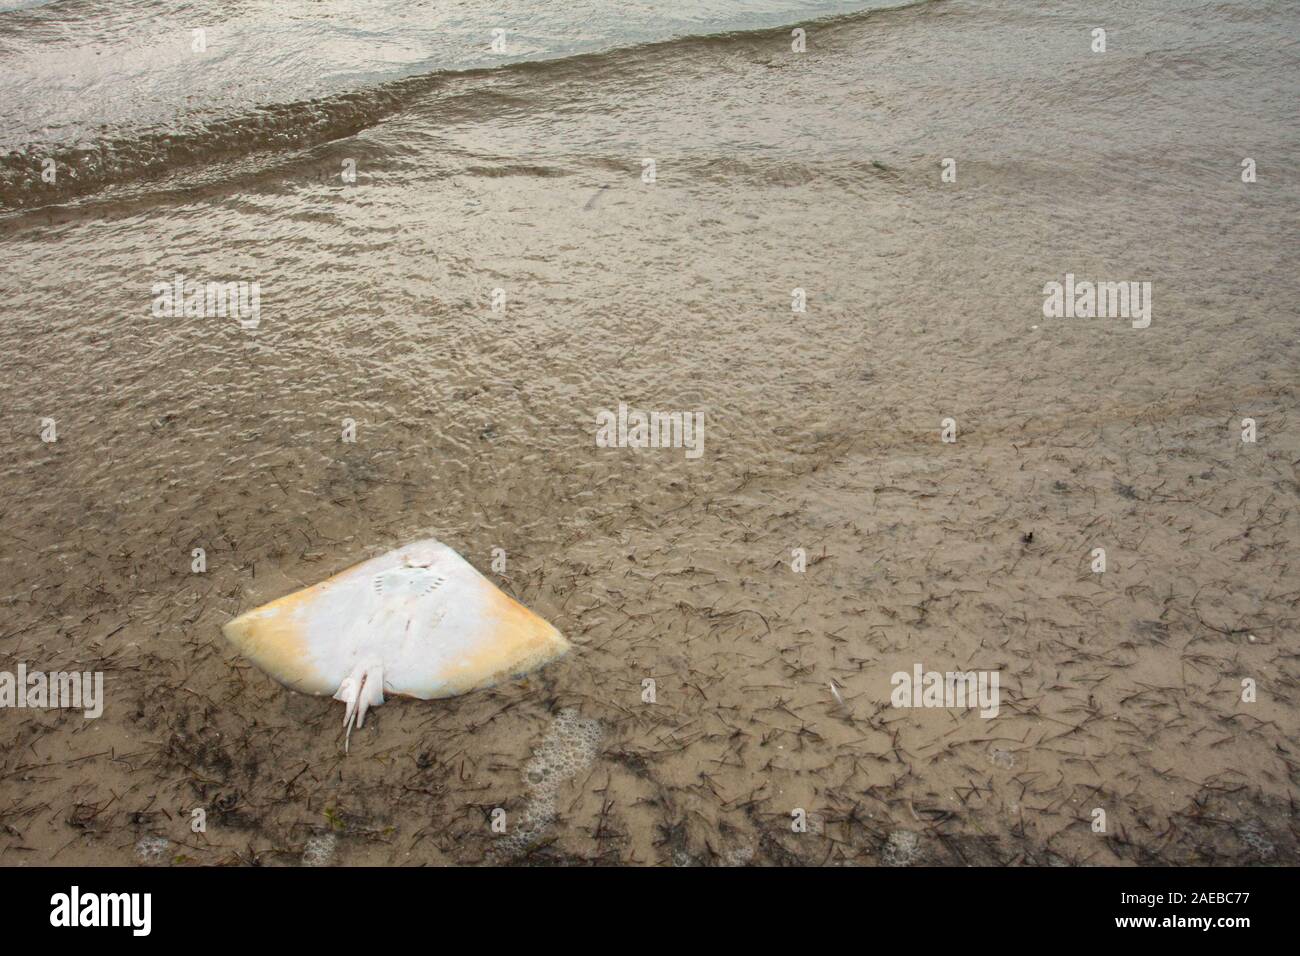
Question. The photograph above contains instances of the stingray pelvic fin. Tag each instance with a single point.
(360, 690)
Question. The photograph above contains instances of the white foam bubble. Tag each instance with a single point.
(152, 849)
(319, 850)
(902, 848)
(571, 745)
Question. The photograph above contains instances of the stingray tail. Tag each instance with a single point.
(359, 691)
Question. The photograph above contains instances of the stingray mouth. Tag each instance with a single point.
(408, 581)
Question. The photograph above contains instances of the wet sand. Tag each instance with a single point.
(1120, 691)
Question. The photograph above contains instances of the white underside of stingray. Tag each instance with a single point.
(416, 622)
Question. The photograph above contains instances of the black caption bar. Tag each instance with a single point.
(329, 906)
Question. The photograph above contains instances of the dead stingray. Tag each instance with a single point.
(415, 622)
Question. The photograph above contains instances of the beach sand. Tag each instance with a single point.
(1120, 691)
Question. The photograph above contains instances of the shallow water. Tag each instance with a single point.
(774, 171)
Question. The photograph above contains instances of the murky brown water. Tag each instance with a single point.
(774, 171)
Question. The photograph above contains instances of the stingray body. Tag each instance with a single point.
(415, 622)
